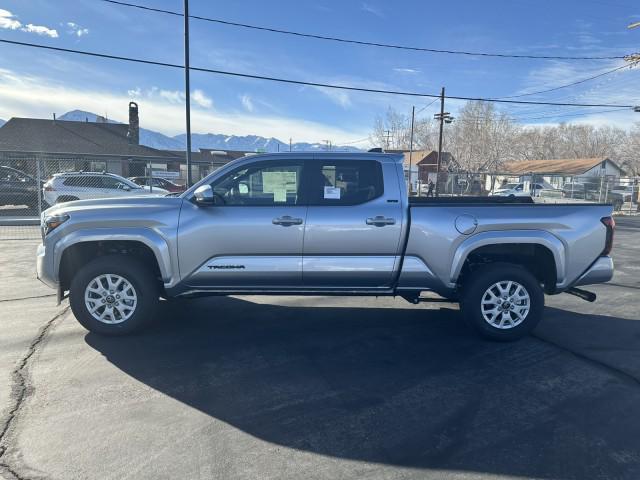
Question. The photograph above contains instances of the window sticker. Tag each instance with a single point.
(279, 195)
(332, 193)
(272, 181)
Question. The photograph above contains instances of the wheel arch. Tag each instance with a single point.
(76, 248)
(540, 252)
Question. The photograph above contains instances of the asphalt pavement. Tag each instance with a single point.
(320, 387)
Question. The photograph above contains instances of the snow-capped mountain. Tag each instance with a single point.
(216, 141)
(147, 137)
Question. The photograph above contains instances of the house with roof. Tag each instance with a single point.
(62, 145)
(423, 165)
(557, 172)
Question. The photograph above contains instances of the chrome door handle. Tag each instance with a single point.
(381, 221)
(287, 221)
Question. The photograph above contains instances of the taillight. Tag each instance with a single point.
(610, 224)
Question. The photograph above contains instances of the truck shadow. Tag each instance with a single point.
(407, 387)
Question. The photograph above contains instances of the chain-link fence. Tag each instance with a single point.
(622, 192)
(31, 183)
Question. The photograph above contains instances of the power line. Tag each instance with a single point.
(300, 82)
(360, 42)
(578, 82)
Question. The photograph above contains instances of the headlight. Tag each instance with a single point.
(51, 222)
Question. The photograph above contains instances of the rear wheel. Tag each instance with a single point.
(114, 295)
(502, 301)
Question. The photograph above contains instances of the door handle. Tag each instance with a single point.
(381, 221)
(287, 221)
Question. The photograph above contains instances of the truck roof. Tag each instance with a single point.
(381, 157)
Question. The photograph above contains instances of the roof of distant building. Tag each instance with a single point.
(60, 136)
(573, 166)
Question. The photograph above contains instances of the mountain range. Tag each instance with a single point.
(216, 141)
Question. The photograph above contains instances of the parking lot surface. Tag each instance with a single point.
(318, 387)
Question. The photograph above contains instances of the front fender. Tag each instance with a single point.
(147, 236)
(538, 237)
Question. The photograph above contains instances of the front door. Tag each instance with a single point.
(353, 226)
(253, 237)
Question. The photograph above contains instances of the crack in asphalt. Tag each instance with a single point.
(21, 388)
(618, 373)
(6, 469)
(28, 298)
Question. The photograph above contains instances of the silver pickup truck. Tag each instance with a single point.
(321, 224)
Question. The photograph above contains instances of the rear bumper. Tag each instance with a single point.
(600, 272)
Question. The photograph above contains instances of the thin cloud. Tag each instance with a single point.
(201, 99)
(41, 30)
(372, 9)
(247, 103)
(8, 20)
(339, 97)
(177, 97)
(406, 70)
(77, 30)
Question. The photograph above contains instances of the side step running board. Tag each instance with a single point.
(583, 294)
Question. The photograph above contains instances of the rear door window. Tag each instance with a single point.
(344, 182)
(84, 181)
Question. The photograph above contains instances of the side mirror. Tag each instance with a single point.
(204, 196)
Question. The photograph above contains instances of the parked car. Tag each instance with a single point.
(19, 188)
(156, 182)
(629, 193)
(519, 190)
(288, 224)
(68, 186)
(595, 192)
(582, 190)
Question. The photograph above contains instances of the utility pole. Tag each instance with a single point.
(187, 87)
(290, 139)
(443, 117)
(387, 137)
(413, 117)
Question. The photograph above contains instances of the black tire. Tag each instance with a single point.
(478, 284)
(133, 271)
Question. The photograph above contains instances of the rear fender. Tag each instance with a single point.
(524, 237)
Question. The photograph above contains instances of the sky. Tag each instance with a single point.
(37, 83)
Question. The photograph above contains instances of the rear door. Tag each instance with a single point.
(354, 223)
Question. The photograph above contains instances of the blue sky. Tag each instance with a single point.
(37, 83)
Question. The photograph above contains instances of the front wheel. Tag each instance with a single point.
(114, 295)
(502, 301)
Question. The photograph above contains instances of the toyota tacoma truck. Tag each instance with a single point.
(321, 224)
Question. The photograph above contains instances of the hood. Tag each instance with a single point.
(109, 207)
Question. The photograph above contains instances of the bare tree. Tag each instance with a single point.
(483, 139)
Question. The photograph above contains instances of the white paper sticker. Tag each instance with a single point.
(332, 193)
(279, 195)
